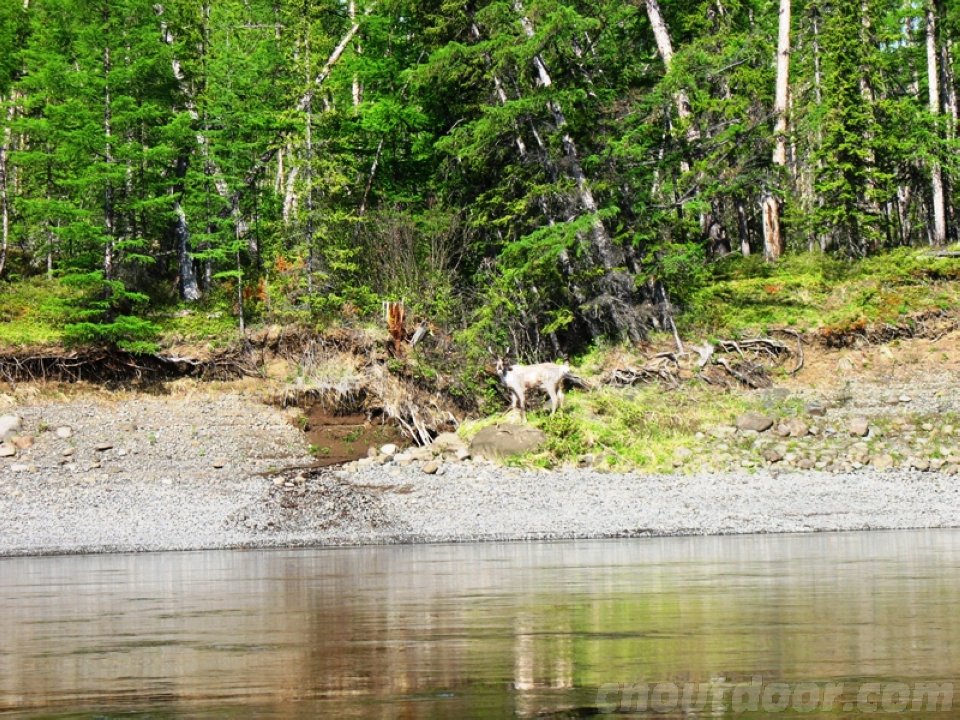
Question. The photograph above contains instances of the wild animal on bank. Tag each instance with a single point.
(518, 378)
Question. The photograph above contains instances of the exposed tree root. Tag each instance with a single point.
(664, 367)
(933, 324)
(728, 362)
(104, 366)
(347, 371)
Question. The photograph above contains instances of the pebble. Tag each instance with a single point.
(22, 442)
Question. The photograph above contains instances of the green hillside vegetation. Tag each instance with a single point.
(547, 175)
(560, 177)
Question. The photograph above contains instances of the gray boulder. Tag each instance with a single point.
(754, 421)
(499, 441)
(9, 426)
(447, 442)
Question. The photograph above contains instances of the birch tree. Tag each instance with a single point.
(938, 235)
(770, 202)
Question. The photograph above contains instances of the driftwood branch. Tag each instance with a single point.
(799, 339)
(745, 361)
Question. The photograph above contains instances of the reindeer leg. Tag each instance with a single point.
(554, 404)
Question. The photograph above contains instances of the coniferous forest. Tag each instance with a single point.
(548, 171)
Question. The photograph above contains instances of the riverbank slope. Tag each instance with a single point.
(213, 466)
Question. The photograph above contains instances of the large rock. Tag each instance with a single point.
(816, 409)
(754, 421)
(859, 427)
(447, 442)
(9, 426)
(498, 441)
(792, 427)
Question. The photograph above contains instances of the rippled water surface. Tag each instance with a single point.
(500, 630)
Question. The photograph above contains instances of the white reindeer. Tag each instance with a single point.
(520, 378)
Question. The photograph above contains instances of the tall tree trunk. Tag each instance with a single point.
(662, 38)
(949, 103)
(203, 143)
(289, 192)
(108, 209)
(770, 202)
(4, 192)
(308, 168)
(189, 289)
(939, 235)
(665, 47)
(189, 286)
(356, 89)
(948, 83)
(743, 227)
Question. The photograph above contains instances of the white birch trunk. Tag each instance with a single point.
(357, 90)
(290, 194)
(783, 85)
(662, 37)
(4, 192)
(743, 227)
(770, 203)
(939, 234)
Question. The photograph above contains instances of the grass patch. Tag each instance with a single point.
(211, 323)
(28, 312)
(32, 315)
(641, 427)
(809, 291)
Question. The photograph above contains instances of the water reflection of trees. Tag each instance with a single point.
(514, 629)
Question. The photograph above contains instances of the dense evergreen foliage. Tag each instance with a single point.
(545, 173)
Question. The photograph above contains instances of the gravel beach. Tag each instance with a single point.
(225, 470)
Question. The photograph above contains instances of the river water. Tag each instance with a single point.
(844, 624)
